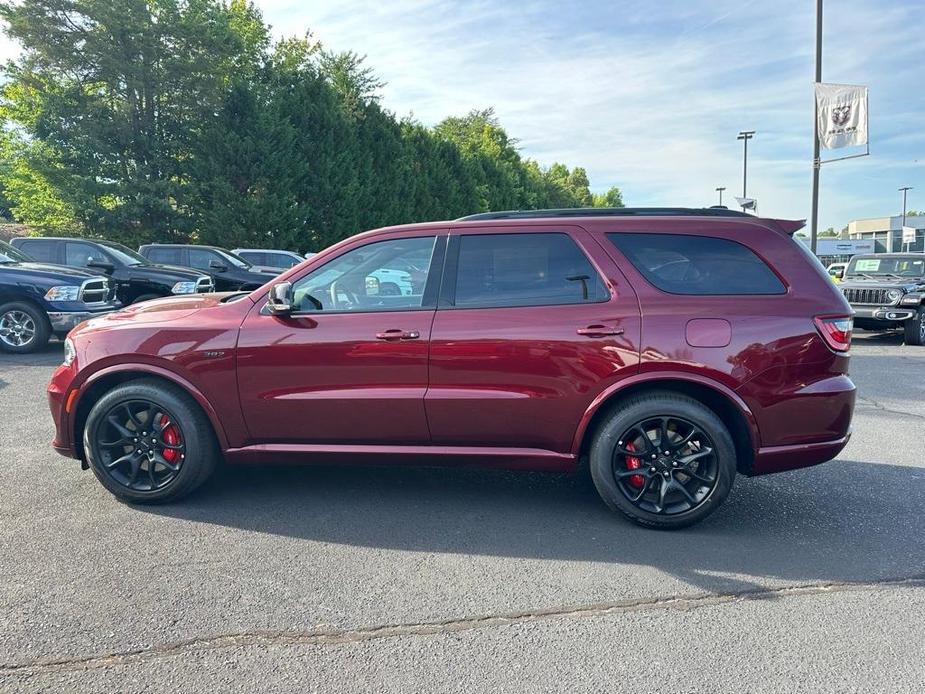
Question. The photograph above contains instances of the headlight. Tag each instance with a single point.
(184, 288)
(62, 294)
(69, 352)
(894, 295)
(913, 299)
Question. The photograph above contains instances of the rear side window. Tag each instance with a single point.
(167, 256)
(701, 265)
(253, 257)
(496, 270)
(40, 251)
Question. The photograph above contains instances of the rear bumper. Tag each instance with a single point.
(780, 458)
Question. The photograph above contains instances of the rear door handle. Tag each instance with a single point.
(599, 331)
(398, 334)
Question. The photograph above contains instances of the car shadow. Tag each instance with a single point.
(843, 521)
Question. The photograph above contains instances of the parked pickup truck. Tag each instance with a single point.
(134, 277)
(886, 291)
(38, 300)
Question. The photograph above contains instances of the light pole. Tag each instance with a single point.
(720, 191)
(745, 136)
(816, 162)
(904, 190)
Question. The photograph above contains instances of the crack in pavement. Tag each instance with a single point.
(883, 408)
(326, 637)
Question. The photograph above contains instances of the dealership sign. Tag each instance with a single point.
(844, 246)
(841, 115)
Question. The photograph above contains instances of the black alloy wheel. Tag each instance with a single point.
(149, 441)
(140, 445)
(665, 465)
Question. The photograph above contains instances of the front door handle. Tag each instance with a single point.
(598, 330)
(398, 334)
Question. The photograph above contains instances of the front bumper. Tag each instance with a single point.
(65, 321)
(885, 313)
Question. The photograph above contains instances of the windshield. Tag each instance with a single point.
(235, 260)
(901, 266)
(124, 254)
(8, 254)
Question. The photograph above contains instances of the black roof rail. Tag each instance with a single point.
(608, 212)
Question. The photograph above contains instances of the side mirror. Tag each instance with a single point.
(101, 265)
(279, 303)
(839, 274)
(217, 266)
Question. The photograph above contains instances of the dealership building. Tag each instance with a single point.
(887, 233)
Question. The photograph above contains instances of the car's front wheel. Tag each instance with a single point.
(914, 328)
(664, 460)
(147, 441)
(23, 328)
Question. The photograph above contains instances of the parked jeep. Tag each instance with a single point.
(664, 350)
(134, 277)
(39, 300)
(228, 271)
(886, 291)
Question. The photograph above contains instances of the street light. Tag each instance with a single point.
(720, 191)
(745, 136)
(904, 190)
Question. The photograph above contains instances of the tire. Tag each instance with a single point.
(704, 466)
(145, 297)
(914, 328)
(193, 455)
(24, 328)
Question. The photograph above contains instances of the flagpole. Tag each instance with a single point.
(816, 163)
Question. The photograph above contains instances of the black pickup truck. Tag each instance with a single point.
(38, 300)
(135, 278)
(230, 272)
(887, 292)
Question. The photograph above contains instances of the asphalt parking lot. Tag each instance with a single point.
(406, 580)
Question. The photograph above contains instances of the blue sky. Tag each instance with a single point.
(649, 95)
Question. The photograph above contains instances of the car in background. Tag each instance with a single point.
(887, 292)
(270, 258)
(667, 350)
(836, 271)
(134, 277)
(39, 300)
(228, 271)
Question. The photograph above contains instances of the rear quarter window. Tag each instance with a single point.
(697, 265)
(40, 251)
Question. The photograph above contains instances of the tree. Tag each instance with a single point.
(828, 233)
(117, 91)
(612, 198)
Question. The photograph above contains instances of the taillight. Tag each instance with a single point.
(836, 331)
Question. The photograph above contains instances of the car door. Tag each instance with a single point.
(532, 324)
(349, 366)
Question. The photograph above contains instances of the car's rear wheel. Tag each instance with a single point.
(915, 328)
(23, 328)
(148, 441)
(663, 460)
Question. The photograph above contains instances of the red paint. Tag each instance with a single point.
(510, 387)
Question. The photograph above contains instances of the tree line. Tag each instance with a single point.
(182, 120)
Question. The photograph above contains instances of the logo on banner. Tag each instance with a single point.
(840, 115)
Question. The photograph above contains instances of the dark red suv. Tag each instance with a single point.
(667, 349)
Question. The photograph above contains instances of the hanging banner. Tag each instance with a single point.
(841, 115)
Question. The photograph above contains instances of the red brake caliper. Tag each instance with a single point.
(171, 436)
(634, 463)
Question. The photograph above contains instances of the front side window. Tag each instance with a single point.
(699, 265)
(524, 269)
(82, 254)
(381, 276)
(202, 258)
